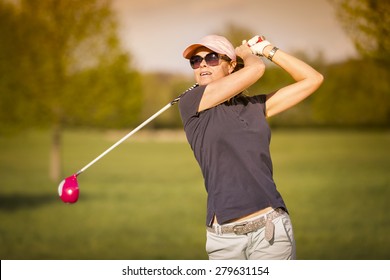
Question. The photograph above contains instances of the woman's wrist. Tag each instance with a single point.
(270, 52)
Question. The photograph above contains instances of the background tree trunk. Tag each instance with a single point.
(55, 153)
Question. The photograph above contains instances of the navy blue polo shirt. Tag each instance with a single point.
(231, 144)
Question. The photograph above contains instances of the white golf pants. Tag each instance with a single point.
(253, 245)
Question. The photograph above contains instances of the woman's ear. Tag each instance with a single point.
(232, 66)
(239, 64)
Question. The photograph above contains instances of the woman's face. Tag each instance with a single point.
(206, 74)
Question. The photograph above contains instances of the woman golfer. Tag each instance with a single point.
(229, 135)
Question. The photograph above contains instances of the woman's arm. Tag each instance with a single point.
(229, 86)
(307, 80)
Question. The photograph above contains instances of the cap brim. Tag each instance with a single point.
(189, 51)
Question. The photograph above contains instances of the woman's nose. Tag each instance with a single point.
(203, 63)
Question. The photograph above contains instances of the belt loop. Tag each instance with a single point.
(218, 229)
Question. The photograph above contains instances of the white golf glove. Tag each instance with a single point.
(257, 44)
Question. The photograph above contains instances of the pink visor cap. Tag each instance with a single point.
(215, 43)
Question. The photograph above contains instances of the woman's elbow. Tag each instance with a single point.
(319, 78)
(316, 80)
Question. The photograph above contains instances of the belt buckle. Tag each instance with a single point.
(239, 229)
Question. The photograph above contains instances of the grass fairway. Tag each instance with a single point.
(146, 200)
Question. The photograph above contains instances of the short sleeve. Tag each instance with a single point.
(189, 103)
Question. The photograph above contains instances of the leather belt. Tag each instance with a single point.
(245, 227)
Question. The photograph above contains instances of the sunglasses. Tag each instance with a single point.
(212, 59)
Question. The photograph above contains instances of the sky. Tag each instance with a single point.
(156, 32)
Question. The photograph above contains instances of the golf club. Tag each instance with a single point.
(68, 189)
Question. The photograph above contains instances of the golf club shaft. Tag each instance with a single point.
(166, 107)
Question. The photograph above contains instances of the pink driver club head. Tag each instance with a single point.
(69, 189)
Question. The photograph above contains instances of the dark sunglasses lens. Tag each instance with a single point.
(212, 59)
(195, 61)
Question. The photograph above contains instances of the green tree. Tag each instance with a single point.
(361, 89)
(61, 65)
(356, 94)
(368, 24)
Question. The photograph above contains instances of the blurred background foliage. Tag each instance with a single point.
(62, 66)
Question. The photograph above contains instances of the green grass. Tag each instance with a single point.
(146, 200)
